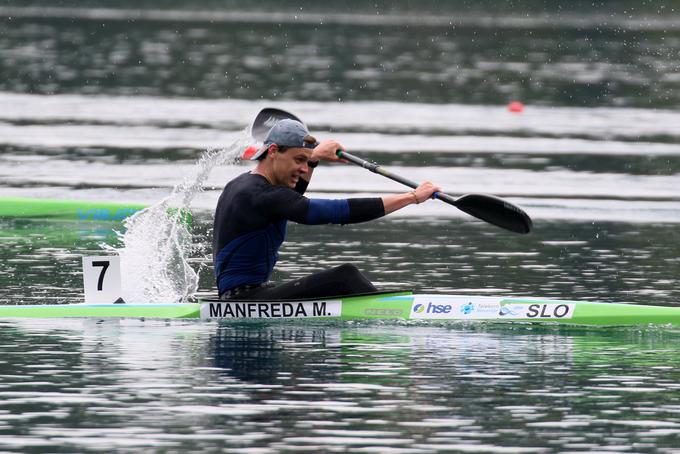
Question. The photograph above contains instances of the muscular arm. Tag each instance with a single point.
(420, 194)
(283, 203)
(349, 211)
(394, 202)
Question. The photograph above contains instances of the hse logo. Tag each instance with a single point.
(455, 307)
(432, 308)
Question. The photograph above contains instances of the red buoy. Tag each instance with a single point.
(516, 107)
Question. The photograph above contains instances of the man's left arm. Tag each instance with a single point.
(303, 182)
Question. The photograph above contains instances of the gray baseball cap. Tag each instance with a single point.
(285, 133)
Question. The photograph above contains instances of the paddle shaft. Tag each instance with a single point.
(375, 168)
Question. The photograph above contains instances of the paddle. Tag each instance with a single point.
(268, 118)
(491, 209)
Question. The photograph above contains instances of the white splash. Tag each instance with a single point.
(157, 244)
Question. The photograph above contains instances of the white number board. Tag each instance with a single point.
(101, 279)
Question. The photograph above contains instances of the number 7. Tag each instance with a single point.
(105, 265)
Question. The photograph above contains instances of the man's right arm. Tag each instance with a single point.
(284, 203)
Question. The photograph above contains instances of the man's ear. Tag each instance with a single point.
(271, 151)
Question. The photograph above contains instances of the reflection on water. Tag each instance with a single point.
(73, 385)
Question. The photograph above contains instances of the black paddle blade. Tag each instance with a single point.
(268, 118)
(495, 211)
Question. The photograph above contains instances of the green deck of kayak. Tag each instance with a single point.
(386, 306)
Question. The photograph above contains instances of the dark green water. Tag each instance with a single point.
(130, 386)
(103, 101)
(616, 54)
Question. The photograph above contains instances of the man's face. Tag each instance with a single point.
(290, 165)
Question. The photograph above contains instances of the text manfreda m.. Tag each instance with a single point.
(301, 309)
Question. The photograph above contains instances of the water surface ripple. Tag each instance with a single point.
(119, 100)
(130, 385)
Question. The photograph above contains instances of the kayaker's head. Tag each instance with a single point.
(286, 150)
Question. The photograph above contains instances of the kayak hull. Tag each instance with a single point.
(387, 306)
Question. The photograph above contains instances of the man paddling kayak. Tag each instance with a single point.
(253, 210)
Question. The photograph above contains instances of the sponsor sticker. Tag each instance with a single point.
(382, 312)
(455, 308)
(528, 311)
(486, 308)
(274, 309)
